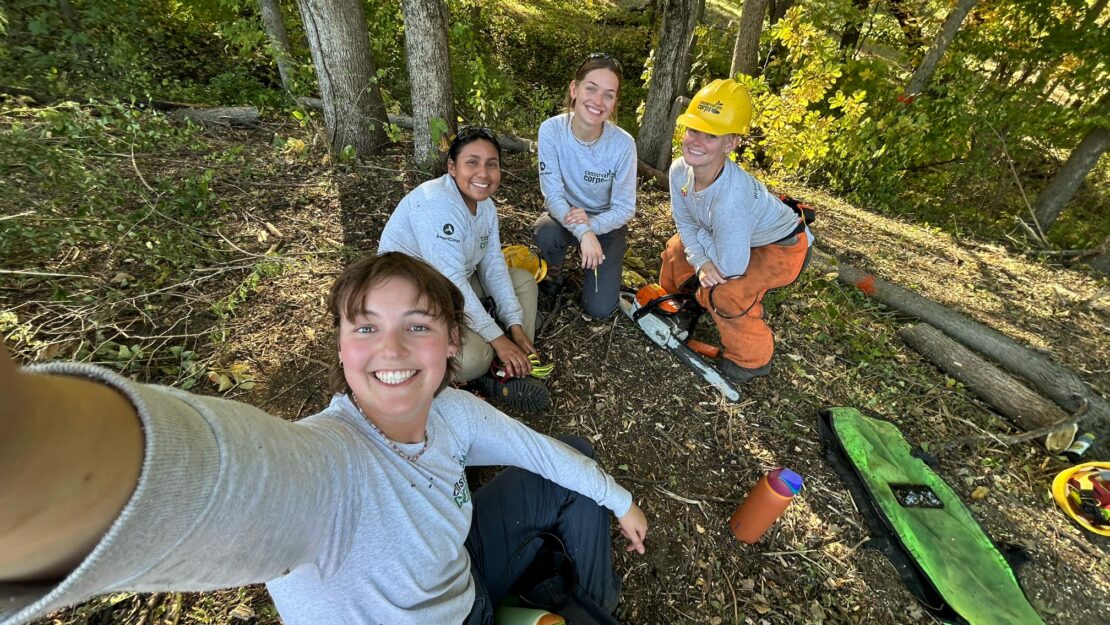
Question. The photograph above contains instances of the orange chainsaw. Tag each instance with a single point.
(668, 319)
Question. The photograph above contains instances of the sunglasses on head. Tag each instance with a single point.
(603, 56)
(470, 132)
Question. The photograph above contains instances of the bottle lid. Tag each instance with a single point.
(785, 482)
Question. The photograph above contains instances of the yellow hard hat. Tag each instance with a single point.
(1065, 493)
(521, 257)
(722, 107)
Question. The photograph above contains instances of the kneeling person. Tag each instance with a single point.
(735, 240)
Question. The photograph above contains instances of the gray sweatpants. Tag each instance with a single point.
(600, 298)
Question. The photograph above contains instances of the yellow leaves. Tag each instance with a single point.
(237, 375)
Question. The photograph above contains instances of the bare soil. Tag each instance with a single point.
(688, 456)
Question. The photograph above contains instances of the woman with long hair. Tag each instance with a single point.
(588, 180)
(451, 223)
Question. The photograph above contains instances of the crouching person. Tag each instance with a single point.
(735, 240)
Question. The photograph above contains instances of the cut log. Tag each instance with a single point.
(1024, 408)
(1056, 382)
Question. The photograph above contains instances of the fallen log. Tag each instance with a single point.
(509, 143)
(227, 116)
(1056, 382)
(1026, 409)
(647, 171)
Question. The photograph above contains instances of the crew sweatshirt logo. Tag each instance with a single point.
(543, 169)
(448, 232)
(594, 177)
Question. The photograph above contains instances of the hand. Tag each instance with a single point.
(70, 454)
(509, 353)
(576, 216)
(592, 256)
(634, 527)
(516, 332)
(709, 276)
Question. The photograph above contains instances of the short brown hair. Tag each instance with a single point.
(444, 299)
(598, 60)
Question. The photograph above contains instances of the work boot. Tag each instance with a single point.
(550, 288)
(739, 374)
(552, 285)
(527, 393)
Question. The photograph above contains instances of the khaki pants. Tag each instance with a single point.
(475, 355)
(737, 305)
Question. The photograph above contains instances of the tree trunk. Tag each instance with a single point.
(776, 9)
(1066, 182)
(940, 45)
(429, 65)
(907, 22)
(672, 62)
(354, 111)
(849, 39)
(745, 52)
(1026, 409)
(274, 24)
(1093, 13)
(1058, 383)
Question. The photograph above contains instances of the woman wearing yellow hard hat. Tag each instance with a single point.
(588, 179)
(735, 239)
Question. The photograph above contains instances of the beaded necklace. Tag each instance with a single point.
(397, 450)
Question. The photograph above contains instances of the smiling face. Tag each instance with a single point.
(594, 96)
(477, 172)
(394, 353)
(701, 149)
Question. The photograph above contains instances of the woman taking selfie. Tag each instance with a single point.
(358, 514)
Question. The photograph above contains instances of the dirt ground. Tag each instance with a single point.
(688, 456)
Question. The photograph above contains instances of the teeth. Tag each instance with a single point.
(394, 377)
(480, 185)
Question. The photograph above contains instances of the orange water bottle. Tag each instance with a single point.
(764, 504)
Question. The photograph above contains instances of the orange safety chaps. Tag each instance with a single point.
(737, 305)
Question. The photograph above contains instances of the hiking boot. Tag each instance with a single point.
(527, 393)
(739, 374)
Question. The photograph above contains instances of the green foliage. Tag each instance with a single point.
(801, 123)
(207, 51)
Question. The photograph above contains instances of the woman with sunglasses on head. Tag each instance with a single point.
(359, 514)
(451, 222)
(588, 180)
(735, 240)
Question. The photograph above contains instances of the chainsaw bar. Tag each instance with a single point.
(662, 333)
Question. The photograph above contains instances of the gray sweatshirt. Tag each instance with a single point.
(433, 223)
(600, 178)
(725, 221)
(343, 529)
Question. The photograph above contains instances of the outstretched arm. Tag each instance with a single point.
(70, 455)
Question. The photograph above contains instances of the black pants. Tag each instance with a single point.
(510, 513)
(600, 297)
